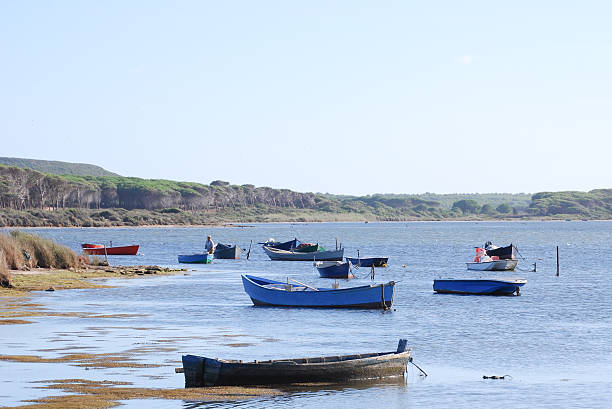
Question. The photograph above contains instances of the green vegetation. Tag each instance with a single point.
(32, 198)
(56, 167)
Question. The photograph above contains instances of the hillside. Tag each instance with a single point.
(56, 167)
(32, 198)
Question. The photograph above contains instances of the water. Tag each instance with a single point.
(555, 340)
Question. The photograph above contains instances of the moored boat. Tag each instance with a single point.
(287, 245)
(486, 262)
(275, 293)
(227, 251)
(368, 261)
(493, 265)
(204, 258)
(479, 286)
(201, 371)
(117, 250)
(503, 253)
(334, 269)
(285, 255)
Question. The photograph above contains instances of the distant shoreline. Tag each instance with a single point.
(254, 224)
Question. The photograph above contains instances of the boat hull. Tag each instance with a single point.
(264, 292)
(112, 251)
(479, 286)
(334, 269)
(195, 258)
(201, 371)
(504, 253)
(284, 255)
(368, 262)
(495, 265)
(228, 252)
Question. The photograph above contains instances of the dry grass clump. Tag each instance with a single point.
(23, 251)
(5, 275)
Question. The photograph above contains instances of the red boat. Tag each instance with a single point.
(118, 250)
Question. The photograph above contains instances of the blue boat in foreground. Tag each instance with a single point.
(334, 269)
(275, 293)
(195, 258)
(479, 286)
(368, 261)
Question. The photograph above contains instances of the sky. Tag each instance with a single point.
(346, 97)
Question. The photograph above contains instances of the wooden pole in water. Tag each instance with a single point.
(249, 253)
(557, 261)
(336, 243)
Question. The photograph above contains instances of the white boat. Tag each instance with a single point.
(493, 265)
(331, 255)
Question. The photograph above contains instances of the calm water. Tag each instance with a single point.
(555, 340)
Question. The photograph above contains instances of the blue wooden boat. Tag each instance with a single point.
(334, 269)
(195, 258)
(479, 286)
(368, 261)
(275, 293)
(201, 371)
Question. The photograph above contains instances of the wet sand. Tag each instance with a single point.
(17, 306)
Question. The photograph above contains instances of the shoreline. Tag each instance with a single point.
(19, 304)
(253, 224)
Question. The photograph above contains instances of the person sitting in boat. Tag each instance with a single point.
(209, 246)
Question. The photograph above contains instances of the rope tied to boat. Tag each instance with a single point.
(418, 367)
(384, 304)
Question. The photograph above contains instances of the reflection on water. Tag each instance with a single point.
(553, 339)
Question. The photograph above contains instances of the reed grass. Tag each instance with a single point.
(23, 251)
(5, 275)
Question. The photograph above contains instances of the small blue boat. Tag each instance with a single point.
(275, 293)
(195, 258)
(479, 286)
(368, 261)
(334, 269)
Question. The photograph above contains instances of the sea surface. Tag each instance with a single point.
(555, 340)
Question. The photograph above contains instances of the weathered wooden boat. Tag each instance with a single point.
(285, 255)
(334, 269)
(493, 265)
(204, 258)
(118, 250)
(201, 371)
(503, 253)
(368, 261)
(275, 293)
(479, 286)
(227, 251)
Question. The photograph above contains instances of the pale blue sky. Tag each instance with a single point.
(351, 97)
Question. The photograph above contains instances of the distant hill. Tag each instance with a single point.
(56, 167)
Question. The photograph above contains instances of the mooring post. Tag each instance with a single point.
(336, 243)
(557, 261)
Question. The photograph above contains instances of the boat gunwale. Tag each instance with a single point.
(325, 289)
(321, 360)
